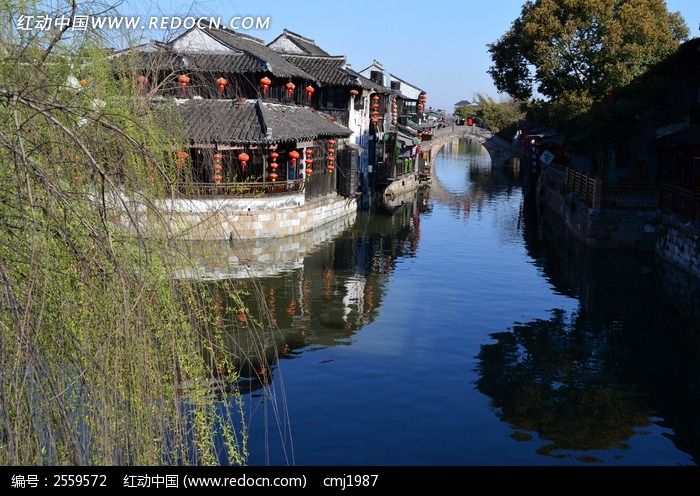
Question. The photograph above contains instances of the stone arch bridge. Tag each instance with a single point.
(499, 149)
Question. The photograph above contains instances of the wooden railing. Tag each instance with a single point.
(680, 201)
(631, 194)
(587, 188)
(239, 189)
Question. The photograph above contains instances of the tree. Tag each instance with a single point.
(105, 357)
(499, 116)
(496, 116)
(575, 52)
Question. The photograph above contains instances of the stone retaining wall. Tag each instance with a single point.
(598, 228)
(243, 218)
(679, 244)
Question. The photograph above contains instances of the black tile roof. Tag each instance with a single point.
(367, 83)
(686, 136)
(163, 58)
(274, 63)
(289, 122)
(222, 62)
(327, 71)
(251, 122)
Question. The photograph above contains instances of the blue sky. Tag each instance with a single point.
(440, 46)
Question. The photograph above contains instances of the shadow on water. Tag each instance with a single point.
(323, 297)
(627, 361)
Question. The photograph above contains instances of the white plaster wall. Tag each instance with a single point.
(200, 205)
(198, 41)
(284, 45)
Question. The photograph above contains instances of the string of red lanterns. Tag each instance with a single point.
(375, 112)
(182, 156)
(221, 83)
(217, 168)
(290, 89)
(309, 161)
(273, 166)
(243, 158)
(331, 155)
(265, 83)
(142, 82)
(294, 155)
(422, 98)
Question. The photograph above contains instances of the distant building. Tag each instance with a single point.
(465, 103)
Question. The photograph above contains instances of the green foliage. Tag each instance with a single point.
(104, 357)
(497, 116)
(466, 111)
(574, 52)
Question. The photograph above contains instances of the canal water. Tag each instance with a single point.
(443, 330)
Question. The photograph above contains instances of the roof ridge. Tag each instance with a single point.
(266, 128)
(310, 40)
(235, 33)
(309, 56)
(394, 76)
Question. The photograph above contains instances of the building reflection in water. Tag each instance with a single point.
(627, 361)
(316, 299)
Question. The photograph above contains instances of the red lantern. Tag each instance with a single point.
(354, 93)
(294, 155)
(309, 162)
(274, 165)
(221, 83)
(331, 159)
(290, 89)
(308, 171)
(243, 159)
(375, 98)
(375, 113)
(184, 80)
(217, 167)
(309, 92)
(309, 152)
(265, 82)
(273, 176)
(181, 157)
(331, 142)
(330, 167)
(375, 106)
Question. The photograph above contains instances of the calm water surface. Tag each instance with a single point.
(445, 331)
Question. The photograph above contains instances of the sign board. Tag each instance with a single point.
(547, 157)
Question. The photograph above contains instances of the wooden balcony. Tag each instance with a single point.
(680, 201)
(241, 189)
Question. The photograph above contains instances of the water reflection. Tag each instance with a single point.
(563, 379)
(587, 382)
(335, 290)
(610, 375)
